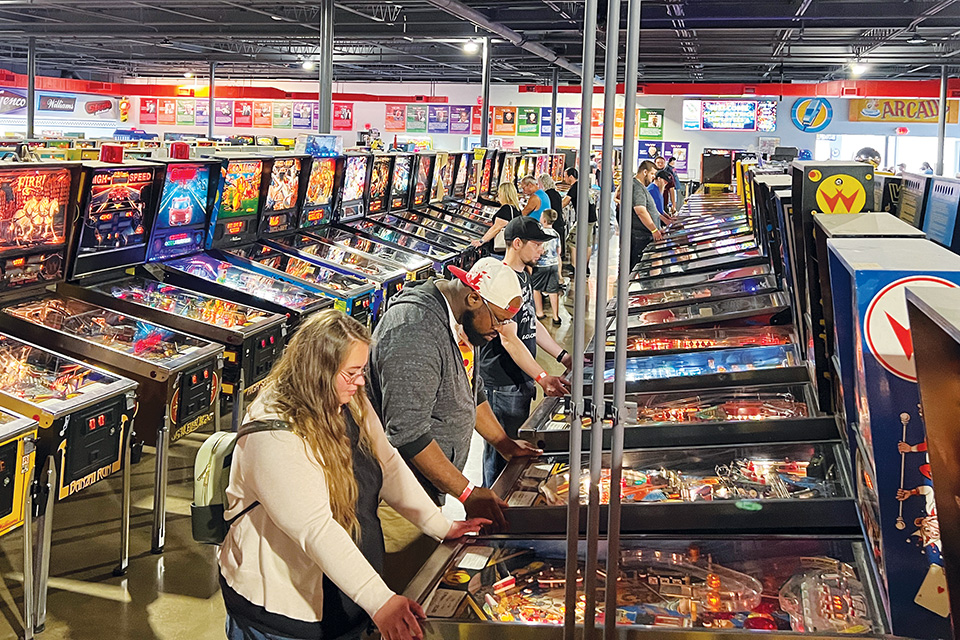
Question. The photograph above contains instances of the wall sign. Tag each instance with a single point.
(811, 115)
(891, 110)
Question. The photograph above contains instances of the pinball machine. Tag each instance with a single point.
(736, 259)
(243, 182)
(252, 338)
(880, 403)
(178, 374)
(512, 587)
(280, 217)
(343, 244)
(914, 189)
(360, 220)
(739, 308)
(84, 414)
(704, 278)
(473, 223)
(886, 193)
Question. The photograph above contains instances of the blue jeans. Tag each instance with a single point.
(511, 405)
(237, 630)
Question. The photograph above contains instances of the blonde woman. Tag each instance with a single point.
(509, 209)
(303, 559)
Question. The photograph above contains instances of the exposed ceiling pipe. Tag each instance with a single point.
(462, 11)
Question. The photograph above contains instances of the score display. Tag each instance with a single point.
(730, 115)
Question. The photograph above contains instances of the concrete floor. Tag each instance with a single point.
(173, 596)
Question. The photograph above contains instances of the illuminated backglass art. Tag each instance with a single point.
(284, 185)
(379, 182)
(422, 188)
(115, 211)
(400, 186)
(178, 228)
(241, 188)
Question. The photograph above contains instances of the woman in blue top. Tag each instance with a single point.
(537, 199)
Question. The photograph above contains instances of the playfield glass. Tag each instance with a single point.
(406, 241)
(681, 268)
(421, 188)
(684, 295)
(706, 474)
(400, 186)
(699, 339)
(723, 240)
(285, 263)
(240, 279)
(427, 228)
(337, 255)
(241, 188)
(700, 363)
(686, 280)
(758, 308)
(172, 299)
(379, 182)
(320, 187)
(699, 254)
(114, 215)
(410, 261)
(40, 376)
(284, 186)
(814, 585)
(107, 328)
(354, 178)
(183, 201)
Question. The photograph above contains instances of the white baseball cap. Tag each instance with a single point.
(495, 282)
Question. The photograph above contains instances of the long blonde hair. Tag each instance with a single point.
(507, 193)
(304, 385)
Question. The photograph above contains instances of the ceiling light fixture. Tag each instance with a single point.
(858, 68)
(471, 46)
(188, 74)
(308, 65)
(915, 38)
(277, 18)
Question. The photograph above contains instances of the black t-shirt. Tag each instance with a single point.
(507, 212)
(497, 368)
(572, 192)
(556, 201)
(341, 615)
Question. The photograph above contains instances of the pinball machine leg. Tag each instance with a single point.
(125, 505)
(160, 487)
(41, 568)
(28, 592)
(239, 395)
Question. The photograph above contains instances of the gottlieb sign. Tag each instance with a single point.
(894, 110)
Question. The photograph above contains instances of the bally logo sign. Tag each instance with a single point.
(57, 103)
(11, 102)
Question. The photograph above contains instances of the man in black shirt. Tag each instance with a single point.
(507, 364)
(570, 177)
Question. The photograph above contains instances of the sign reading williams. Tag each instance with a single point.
(56, 103)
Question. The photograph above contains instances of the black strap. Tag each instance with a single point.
(256, 426)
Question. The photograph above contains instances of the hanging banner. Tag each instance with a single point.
(649, 150)
(650, 124)
(571, 122)
(343, 116)
(438, 119)
(416, 118)
(891, 110)
(546, 121)
(242, 113)
(680, 151)
(528, 121)
(596, 122)
(166, 111)
(475, 120)
(282, 114)
(396, 118)
(303, 115)
(201, 111)
(460, 119)
(263, 114)
(504, 121)
(148, 111)
(185, 111)
(223, 113)
(619, 116)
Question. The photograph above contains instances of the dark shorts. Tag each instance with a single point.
(546, 280)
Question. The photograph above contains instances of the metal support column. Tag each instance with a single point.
(941, 120)
(485, 107)
(610, 73)
(579, 315)
(31, 85)
(325, 124)
(623, 286)
(212, 116)
(553, 110)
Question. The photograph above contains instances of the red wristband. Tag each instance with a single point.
(543, 374)
(466, 492)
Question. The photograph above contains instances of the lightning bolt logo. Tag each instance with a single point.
(903, 335)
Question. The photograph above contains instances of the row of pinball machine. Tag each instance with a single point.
(165, 289)
(777, 473)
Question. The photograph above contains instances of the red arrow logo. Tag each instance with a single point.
(903, 335)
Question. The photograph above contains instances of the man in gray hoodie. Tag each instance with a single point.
(424, 386)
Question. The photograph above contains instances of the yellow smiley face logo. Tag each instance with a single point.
(841, 193)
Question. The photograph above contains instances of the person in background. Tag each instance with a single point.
(670, 191)
(656, 190)
(304, 556)
(426, 389)
(926, 169)
(901, 168)
(556, 203)
(644, 230)
(508, 363)
(509, 209)
(546, 275)
(570, 177)
(537, 199)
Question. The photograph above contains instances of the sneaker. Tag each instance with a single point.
(557, 322)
